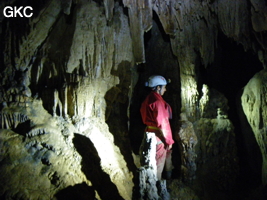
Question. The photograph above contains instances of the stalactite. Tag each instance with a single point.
(234, 21)
(137, 33)
(66, 5)
(146, 14)
(109, 6)
(48, 18)
(36, 132)
(258, 15)
(11, 120)
(166, 13)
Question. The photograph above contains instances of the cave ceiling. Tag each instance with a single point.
(192, 24)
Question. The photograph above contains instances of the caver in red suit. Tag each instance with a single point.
(155, 114)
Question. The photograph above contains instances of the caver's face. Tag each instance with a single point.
(162, 91)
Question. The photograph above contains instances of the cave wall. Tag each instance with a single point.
(253, 103)
(193, 28)
(65, 71)
(68, 76)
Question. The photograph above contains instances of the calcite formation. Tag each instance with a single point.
(148, 169)
(254, 104)
(54, 106)
(187, 140)
(34, 147)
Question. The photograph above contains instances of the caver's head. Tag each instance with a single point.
(157, 83)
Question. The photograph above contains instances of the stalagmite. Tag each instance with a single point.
(148, 169)
(187, 140)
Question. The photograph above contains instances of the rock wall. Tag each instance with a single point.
(253, 104)
(62, 76)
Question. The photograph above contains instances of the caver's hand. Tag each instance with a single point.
(166, 146)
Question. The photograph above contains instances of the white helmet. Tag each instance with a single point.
(156, 80)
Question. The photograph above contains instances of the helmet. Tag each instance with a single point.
(156, 80)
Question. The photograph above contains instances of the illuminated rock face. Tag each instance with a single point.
(38, 153)
(69, 72)
(254, 102)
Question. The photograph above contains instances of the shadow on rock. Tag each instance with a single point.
(80, 191)
(92, 169)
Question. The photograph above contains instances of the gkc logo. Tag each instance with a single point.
(15, 11)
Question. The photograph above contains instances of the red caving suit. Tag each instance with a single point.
(155, 114)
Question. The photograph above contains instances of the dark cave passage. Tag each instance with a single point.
(231, 71)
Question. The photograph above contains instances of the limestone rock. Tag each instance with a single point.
(187, 140)
(254, 105)
(148, 170)
(34, 148)
(217, 153)
(55, 84)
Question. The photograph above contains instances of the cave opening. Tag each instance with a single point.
(229, 73)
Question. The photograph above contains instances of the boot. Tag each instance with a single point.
(162, 190)
(168, 175)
